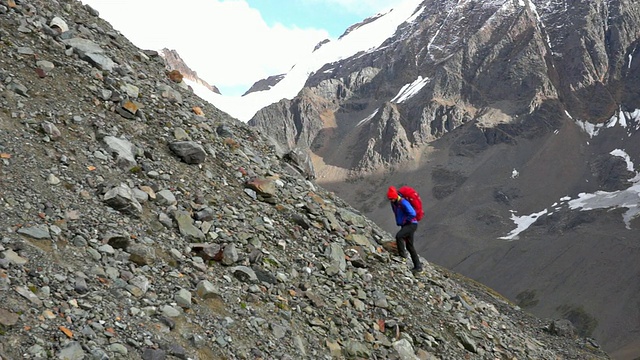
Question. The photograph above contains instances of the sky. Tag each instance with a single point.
(233, 43)
(366, 38)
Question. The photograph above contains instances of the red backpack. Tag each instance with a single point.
(412, 196)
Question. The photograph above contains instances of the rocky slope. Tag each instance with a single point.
(140, 223)
(464, 95)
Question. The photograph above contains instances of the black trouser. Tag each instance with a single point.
(404, 239)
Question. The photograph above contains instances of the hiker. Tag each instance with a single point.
(406, 219)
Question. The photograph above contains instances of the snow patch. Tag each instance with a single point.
(623, 154)
(622, 118)
(622, 199)
(365, 120)
(629, 199)
(523, 223)
(410, 90)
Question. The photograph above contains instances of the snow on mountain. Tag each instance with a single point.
(366, 38)
(626, 199)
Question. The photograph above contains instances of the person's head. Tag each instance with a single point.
(392, 194)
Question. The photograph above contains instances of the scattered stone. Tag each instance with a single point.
(13, 258)
(72, 351)
(183, 298)
(562, 328)
(51, 130)
(38, 232)
(154, 354)
(141, 254)
(206, 290)
(123, 149)
(189, 151)
(123, 199)
(7, 318)
(58, 23)
(166, 197)
(186, 226)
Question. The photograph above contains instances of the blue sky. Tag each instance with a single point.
(310, 14)
(233, 43)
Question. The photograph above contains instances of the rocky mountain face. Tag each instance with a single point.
(264, 84)
(140, 223)
(175, 62)
(495, 110)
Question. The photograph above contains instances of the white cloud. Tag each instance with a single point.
(363, 7)
(215, 38)
(365, 38)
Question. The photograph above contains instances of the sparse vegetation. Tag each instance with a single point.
(527, 299)
(135, 170)
(270, 262)
(584, 322)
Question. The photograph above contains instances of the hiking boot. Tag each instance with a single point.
(417, 269)
(403, 254)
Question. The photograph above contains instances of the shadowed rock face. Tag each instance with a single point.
(503, 86)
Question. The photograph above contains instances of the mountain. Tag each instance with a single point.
(140, 222)
(517, 121)
(175, 62)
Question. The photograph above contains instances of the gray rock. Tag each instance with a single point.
(81, 285)
(107, 249)
(154, 354)
(405, 350)
(51, 130)
(357, 349)
(230, 255)
(170, 311)
(244, 274)
(118, 349)
(38, 232)
(122, 198)
(562, 327)
(206, 214)
(83, 46)
(100, 61)
(125, 151)
(181, 135)
(206, 290)
(37, 351)
(186, 226)
(18, 88)
(141, 254)
(13, 258)
(8, 318)
(166, 197)
(183, 298)
(59, 23)
(189, 151)
(141, 282)
(72, 351)
(170, 94)
(45, 65)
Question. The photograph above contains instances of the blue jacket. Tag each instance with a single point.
(405, 213)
